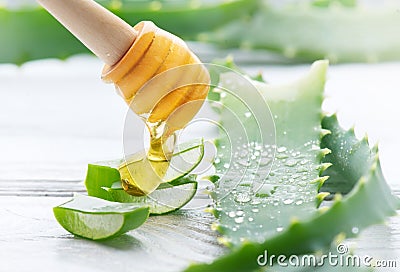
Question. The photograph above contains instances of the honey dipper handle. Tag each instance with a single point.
(105, 34)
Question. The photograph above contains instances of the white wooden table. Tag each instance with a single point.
(56, 117)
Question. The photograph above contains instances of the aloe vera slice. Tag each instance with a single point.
(96, 219)
(167, 198)
(187, 157)
(99, 176)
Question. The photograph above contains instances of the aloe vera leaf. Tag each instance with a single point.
(327, 3)
(369, 202)
(289, 191)
(186, 19)
(354, 163)
(294, 178)
(30, 33)
(306, 32)
(343, 174)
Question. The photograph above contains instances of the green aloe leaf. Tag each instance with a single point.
(354, 163)
(256, 226)
(181, 17)
(289, 191)
(30, 33)
(350, 158)
(338, 30)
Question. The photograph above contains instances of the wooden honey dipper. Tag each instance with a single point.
(154, 71)
(135, 55)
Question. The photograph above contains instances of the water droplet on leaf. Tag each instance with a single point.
(291, 162)
(243, 197)
(240, 213)
(239, 220)
(281, 149)
(288, 201)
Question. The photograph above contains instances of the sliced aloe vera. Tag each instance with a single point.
(97, 219)
(167, 198)
(99, 176)
(187, 157)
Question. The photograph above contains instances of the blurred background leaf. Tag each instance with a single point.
(298, 30)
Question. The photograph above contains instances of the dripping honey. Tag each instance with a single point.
(142, 173)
